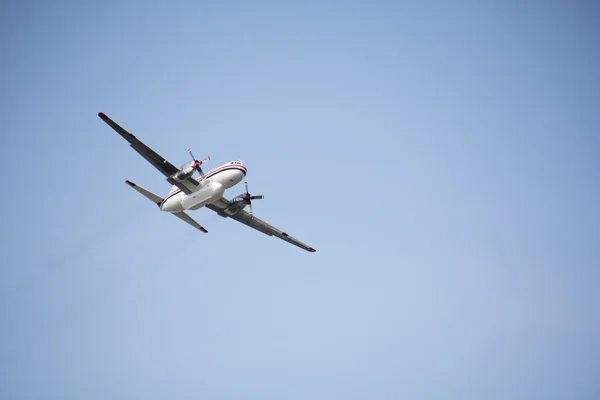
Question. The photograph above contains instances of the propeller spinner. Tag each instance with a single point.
(197, 163)
(248, 198)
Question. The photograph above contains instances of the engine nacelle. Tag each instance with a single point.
(184, 173)
(236, 206)
(209, 192)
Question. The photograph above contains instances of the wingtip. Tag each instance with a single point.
(130, 183)
(102, 115)
(311, 250)
(204, 230)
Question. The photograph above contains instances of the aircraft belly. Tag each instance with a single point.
(210, 192)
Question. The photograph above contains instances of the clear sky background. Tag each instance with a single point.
(442, 157)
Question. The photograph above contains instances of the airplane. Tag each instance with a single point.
(189, 193)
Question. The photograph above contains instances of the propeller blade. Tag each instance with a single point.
(207, 159)
(246, 184)
(191, 154)
(257, 197)
(250, 208)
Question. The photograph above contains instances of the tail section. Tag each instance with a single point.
(186, 218)
(158, 201)
(146, 193)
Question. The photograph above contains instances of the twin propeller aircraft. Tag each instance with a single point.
(189, 193)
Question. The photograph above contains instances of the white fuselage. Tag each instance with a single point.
(211, 188)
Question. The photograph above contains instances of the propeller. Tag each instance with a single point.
(248, 198)
(197, 163)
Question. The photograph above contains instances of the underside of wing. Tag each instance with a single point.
(160, 163)
(187, 186)
(245, 218)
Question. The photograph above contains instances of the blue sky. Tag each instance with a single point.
(442, 157)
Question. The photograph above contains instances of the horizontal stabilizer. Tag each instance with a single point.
(156, 199)
(184, 217)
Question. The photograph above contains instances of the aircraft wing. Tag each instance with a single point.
(167, 169)
(242, 216)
